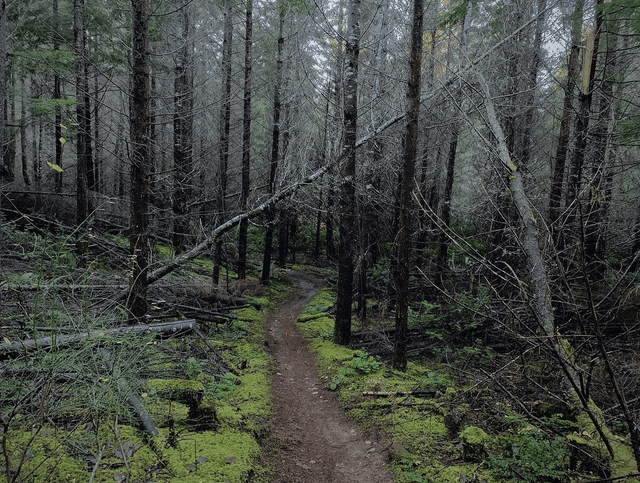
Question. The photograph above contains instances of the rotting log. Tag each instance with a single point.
(12, 349)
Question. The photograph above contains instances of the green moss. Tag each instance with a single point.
(623, 462)
(45, 457)
(171, 385)
(473, 435)
(226, 455)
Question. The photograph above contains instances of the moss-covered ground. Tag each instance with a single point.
(209, 423)
(424, 442)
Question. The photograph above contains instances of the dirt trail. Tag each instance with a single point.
(312, 439)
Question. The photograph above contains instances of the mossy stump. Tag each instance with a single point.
(473, 444)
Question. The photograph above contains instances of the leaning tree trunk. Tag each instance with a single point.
(539, 285)
(408, 188)
(140, 159)
(246, 142)
(275, 147)
(347, 174)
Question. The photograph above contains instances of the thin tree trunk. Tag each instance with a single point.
(246, 142)
(97, 151)
(275, 146)
(86, 120)
(445, 214)
(225, 125)
(338, 122)
(595, 224)
(57, 95)
(408, 187)
(81, 140)
(342, 328)
(557, 181)
(182, 131)
(23, 135)
(6, 170)
(140, 159)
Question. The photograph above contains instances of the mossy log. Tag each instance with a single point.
(15, 348)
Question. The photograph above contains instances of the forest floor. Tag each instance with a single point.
(311, 438)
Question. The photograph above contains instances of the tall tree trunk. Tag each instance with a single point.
(408, 188)
(86, 121)
(6, 171)
(557, 180)
(532, 84)
(347, 229)
(582, 123)
(595, 228)
(140, 159)
(36, 130)
(182, 130)
(97, 150)
(225, 125)
(57, 95)
(275, 146)
(246, 142)
(23, 135)
(445, 214)
(81, 140)
(335, 145)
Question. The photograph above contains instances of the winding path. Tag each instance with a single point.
(312, 440)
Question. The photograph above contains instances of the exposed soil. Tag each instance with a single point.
(312, 440)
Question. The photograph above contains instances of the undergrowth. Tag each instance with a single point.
(419, 415)
(73, 421)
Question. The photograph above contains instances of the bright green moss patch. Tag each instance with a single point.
(224, 455)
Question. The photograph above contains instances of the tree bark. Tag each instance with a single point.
(275, 146)
(140, 159)
(246, 142)
(225, 125)
(347, 228)
(557, 181)
(407, 203)
(6, 170)
(82, 203)
(582, 123)
(182, 129)
(23, 135)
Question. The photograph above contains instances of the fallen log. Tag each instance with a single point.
(12, 349)
(399, 393)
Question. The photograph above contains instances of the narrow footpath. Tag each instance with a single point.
(312, 440)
